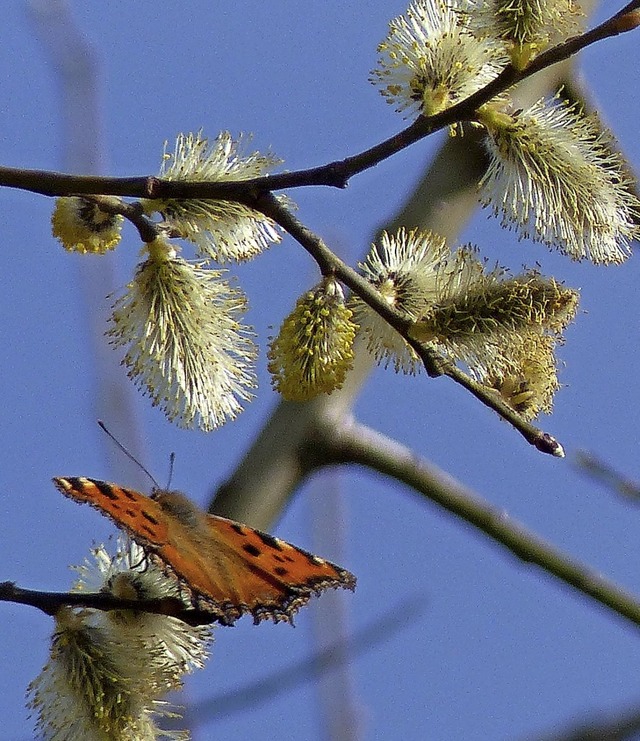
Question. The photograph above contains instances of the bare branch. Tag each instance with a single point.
(350, 442)
(51, 602)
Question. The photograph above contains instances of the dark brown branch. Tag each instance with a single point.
(51, 602)
(334, 174)
(434, 364)
(147, 229)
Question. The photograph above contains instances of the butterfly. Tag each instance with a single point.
(230, 569)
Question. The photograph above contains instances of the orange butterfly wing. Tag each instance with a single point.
(230, 568)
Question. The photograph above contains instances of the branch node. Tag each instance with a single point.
(153, 185)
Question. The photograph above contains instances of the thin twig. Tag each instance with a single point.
(434, 363)
(133, 212)
(334, 174)
(51, 602)
(273, 467)
(605, 474)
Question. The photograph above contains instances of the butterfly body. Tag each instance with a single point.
(229, 568)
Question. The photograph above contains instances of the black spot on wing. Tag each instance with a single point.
(149, 518)
(251, 549)
(106, 489)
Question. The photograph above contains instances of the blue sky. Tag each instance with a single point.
(499, 651)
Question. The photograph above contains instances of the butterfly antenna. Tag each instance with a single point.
(172, 460)
(128, 453)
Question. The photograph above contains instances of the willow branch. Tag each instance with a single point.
(133, 212)
(51, 602)
(434, 363)
(350, 442)
(335, 174)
